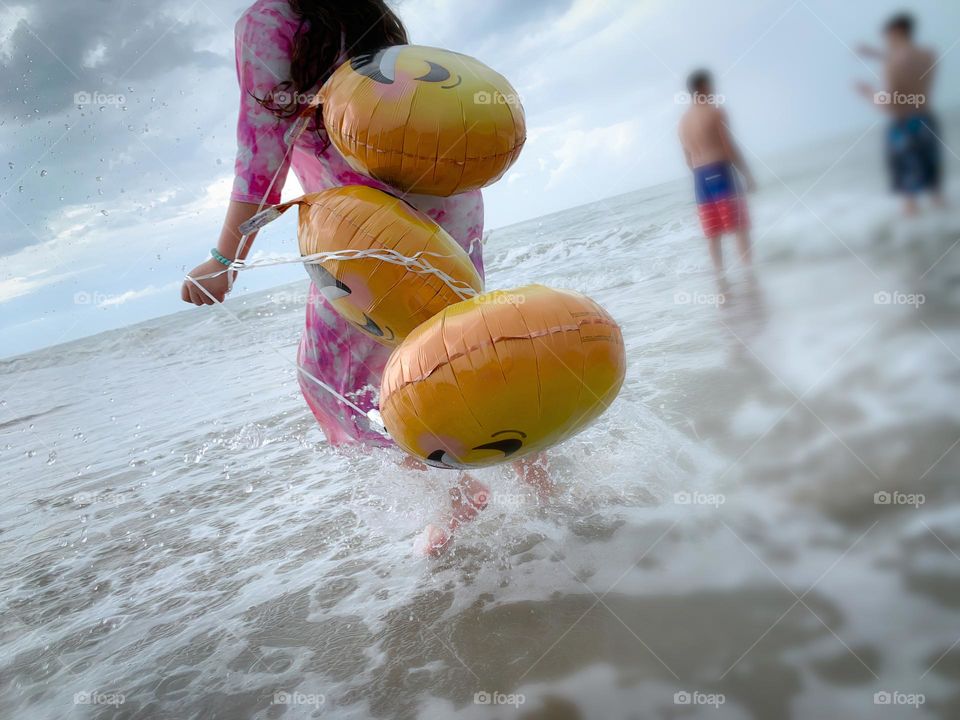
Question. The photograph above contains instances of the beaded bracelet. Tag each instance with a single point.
(216, 255)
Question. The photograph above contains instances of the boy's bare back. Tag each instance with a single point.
(909, 71)
(703, 135)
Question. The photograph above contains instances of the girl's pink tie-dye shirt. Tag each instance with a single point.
(330, 348)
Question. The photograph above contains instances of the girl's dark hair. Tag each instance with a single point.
(362, 25)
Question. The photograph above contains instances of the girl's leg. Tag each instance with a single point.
(535, 471)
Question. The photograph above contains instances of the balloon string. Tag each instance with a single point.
(414, 262)
(371, 415)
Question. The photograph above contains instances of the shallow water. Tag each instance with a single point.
(178, 536)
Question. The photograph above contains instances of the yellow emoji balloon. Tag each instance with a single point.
(381, 293)
(423, 120)
(381, 263)
(502, 375)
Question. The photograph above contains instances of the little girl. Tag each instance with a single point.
(285, 50)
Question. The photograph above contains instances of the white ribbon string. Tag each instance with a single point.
(416, 263)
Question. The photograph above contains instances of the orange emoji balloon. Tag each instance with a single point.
(381, 263)
(379, 293)
(502, 375)
(423, 120)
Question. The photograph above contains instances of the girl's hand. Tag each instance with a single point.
(216, 286)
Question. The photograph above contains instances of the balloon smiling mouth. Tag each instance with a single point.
(449, 87)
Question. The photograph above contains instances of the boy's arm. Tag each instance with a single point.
(683, 146)
(733, 151)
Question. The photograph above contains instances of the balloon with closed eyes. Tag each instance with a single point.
(423, 120)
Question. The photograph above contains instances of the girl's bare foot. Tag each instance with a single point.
(409, 462)
(535, 472)
(432, 541)
(467, 499)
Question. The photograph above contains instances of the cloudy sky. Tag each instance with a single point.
(103, 207)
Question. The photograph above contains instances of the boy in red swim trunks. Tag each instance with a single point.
(715, 159)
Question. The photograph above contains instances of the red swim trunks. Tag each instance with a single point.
(719, 202)
(720, 216)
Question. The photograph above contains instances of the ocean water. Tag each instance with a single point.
(766, 523)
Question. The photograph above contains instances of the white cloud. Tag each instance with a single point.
(583, 148)
(10, 18)
(20, 285)
(129, 295)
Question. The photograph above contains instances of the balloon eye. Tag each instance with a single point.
(378, 66)
(440, 459)
(326, 283)
(437, 73)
